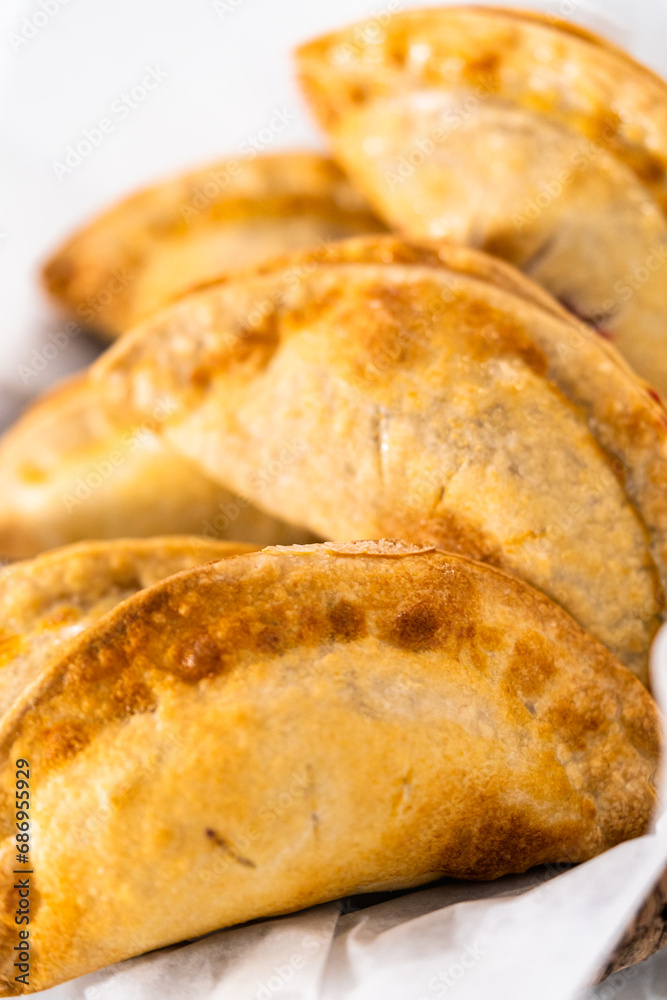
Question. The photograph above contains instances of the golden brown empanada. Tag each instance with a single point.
(518, 134)
(414, 713)
(436, 399)
(158, 243)
(76, 467)
(45, 602)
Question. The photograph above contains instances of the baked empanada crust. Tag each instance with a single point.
(433, 402)
(412, 713)
(47, 601)
(519, 135)
(75, 467)
(151, 247)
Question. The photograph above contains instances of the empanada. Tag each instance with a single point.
(291, 726)
(436, 399)
(158, 243)
(76, 467)
(45, 602)
(518, 134)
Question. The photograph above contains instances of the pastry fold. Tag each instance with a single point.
(47, 601)
(379, 390)
(76, 467)
(286, 727)
(153, 246)
(518, 134)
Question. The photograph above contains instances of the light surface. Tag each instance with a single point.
(222, 74)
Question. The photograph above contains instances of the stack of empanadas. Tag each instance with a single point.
(456, 681)
(76, 467)
(436, 400)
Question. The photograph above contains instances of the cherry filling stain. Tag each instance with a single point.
(596, 322)
(656, 397)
